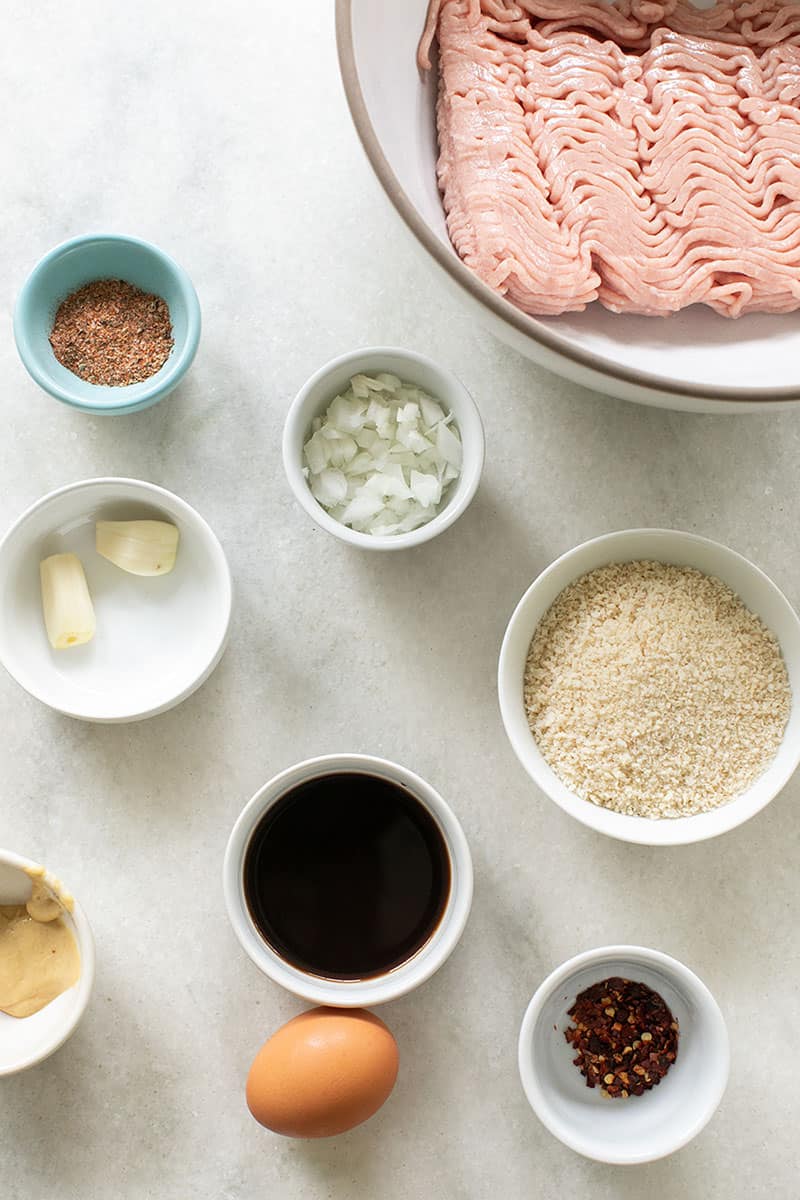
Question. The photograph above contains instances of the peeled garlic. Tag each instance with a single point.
(140, 547)
(67, 605)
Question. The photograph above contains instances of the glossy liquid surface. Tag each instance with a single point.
(347, 876)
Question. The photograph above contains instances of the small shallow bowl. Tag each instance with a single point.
(313, 399)
(157, 638)
(25, 1041)
(104, 256)
(757, 592)
(641, 1128)
(350, 993)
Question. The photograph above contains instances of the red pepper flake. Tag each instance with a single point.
(110, 332)
(625, 1035)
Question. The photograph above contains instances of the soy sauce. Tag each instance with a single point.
(347, 876)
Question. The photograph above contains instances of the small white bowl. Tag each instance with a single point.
(25, 1041)
(313, 399)
(756, 591)
(349, 993)
(157, 638)
(641, 1128)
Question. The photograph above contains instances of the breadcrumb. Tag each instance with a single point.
(653, 691)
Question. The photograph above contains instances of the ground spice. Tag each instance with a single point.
(625, 1035)
(112, 333)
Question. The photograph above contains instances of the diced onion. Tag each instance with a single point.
(383, 457)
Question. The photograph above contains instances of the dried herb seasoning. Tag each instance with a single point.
(110, 332)
(625, 1036)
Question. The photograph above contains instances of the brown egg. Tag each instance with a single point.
(322, 1073)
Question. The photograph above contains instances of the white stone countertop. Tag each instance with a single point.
(220, 132)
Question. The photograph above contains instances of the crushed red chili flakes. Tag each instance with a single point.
(110, 332)
(625, 1035)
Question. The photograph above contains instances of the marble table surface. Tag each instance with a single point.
(221, 132)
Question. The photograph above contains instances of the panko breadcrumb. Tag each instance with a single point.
(653, 691)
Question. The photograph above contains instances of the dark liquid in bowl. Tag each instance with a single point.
(347, 876)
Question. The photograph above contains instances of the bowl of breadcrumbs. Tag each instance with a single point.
(649, 683)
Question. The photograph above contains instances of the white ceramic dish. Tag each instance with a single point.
(25, 1041)
(641, 1128)
(410, 974)
(315, 396)
(157, 638)
(695, 361)
(663, 545)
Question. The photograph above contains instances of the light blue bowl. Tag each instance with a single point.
(104, 256)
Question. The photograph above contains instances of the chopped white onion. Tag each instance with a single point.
(425, 488)
(329, 488)
(383, 456)
(448, 446)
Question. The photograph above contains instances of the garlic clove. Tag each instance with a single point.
(140, 547)
(66, 603)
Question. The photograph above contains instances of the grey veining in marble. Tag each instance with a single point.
(221, 132)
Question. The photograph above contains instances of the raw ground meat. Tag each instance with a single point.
(643, 154)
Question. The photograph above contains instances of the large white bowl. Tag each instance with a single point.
(25, 1041)
(350, 993)
(157, 638)
(696, 360)
(317, 393)
(641, 1128)
(683, 549)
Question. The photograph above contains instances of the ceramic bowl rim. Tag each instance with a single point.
(346, 993)
(84, 986)
(221, 568)
(637, 830)
(118, 402)
(535, 1093)
(468, 282)
(464, 488)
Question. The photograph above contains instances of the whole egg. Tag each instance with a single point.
(322, 1073)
